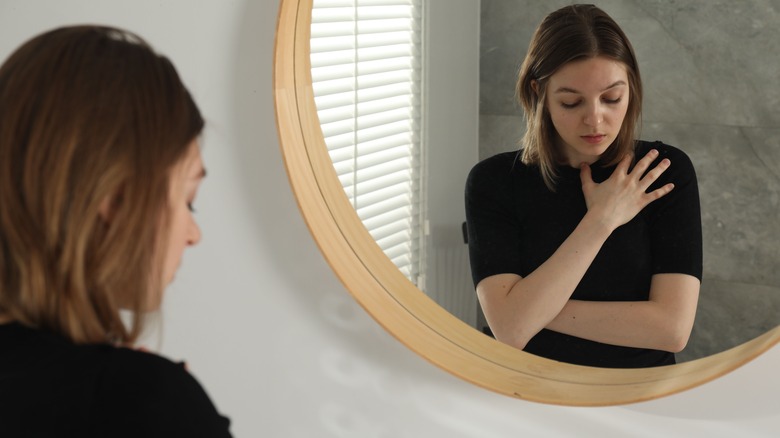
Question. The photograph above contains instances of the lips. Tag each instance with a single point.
(593, 139)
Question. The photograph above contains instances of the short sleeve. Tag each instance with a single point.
(675, 219)
(147, 395)
(491, 219)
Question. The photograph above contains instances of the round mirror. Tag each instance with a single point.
(400, 307)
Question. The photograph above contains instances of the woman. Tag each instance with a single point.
(99, 167)
(586, 245)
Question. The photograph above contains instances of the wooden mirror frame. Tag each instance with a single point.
(407, 313)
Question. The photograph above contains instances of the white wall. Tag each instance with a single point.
(260, 318)
(451, 148)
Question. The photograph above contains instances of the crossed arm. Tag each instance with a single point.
(517, 308)
(664, 322)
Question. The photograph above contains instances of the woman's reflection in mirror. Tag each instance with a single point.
(586, 244)
(99, 167)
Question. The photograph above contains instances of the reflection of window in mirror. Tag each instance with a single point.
(366, 73)
(397, 90)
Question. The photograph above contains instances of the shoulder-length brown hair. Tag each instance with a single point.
(87, 114)
(573, 33)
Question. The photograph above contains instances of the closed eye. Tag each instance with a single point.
(577, 103)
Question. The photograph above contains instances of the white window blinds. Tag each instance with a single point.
(365, 57)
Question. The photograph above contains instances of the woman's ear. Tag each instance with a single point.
(108, 207)
(535, 86)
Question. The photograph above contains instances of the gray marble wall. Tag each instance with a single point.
(711, 71)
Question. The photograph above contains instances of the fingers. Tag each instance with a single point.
(659, 193)
(624, 164)
(648, 198)
(655, 173)
(643, 164)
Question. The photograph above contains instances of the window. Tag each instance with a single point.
(366, 73)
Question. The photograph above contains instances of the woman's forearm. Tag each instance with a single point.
(664, 322)
(517, 308)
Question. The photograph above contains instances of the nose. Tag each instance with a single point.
(593, 115)
(194, 233)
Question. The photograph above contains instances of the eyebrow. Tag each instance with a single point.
(572, 90)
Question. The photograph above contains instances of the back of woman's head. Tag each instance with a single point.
(91, 122)
(569, 34)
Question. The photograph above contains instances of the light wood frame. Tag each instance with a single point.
(406, 312)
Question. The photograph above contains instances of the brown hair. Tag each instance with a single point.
(573, 33)
(88, 114)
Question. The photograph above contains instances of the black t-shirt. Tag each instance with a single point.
(50, 387)
(515, 223)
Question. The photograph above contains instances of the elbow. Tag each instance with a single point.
(676, 339)
(513, 341)
(511, 336)
(677, 345)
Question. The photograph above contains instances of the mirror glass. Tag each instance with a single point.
(711, 89)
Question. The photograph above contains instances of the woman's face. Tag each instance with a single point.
(587, 101)
(183, 231)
